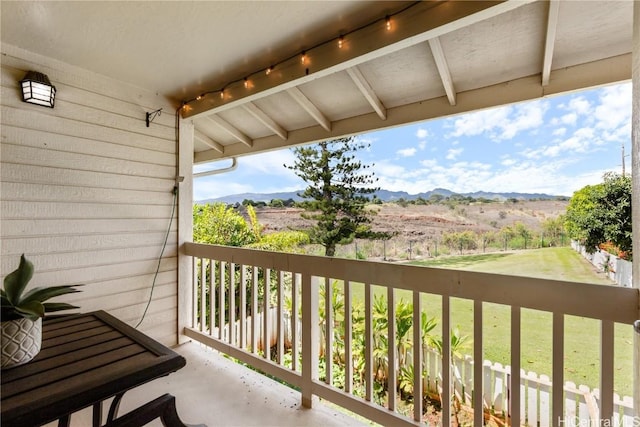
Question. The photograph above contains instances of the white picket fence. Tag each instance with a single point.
(618, 270)
(581, 403)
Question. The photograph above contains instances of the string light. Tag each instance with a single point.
(303, 56)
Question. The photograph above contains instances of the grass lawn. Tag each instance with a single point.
(582, 336)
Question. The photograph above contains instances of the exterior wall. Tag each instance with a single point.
(86, 191)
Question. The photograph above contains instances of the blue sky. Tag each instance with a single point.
(554, 145)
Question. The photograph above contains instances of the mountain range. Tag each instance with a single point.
(384, 195)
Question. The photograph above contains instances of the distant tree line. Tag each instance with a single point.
(435, 199)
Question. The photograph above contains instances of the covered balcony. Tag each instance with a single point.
(98, 190)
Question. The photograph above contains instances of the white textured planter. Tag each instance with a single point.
(21, 340)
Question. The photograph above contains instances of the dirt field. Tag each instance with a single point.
(418, 228)
(430, 221)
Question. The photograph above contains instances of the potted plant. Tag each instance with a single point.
(22, 313)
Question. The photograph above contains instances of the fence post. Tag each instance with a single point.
(545, 401)
(310, 338)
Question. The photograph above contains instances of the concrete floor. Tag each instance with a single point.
(218, 392)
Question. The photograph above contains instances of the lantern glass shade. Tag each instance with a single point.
(37, 89)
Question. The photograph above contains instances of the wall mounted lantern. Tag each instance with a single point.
(37, 89)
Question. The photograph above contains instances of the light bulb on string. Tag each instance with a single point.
(303, 57)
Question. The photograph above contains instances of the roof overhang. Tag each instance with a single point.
(439, 58)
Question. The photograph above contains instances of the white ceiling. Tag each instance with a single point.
(178, 48)
(439, 58)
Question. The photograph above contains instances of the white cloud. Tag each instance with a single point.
(453, 153)
(479, 122)
(614, 109)
(422, 133)
(569, 119)
(385, 169)
(559, 131)
(501, 123)
(527, 116)
(583, 140)
(407, 152)
(544, 176)
(580, 105)
(429, 163)
(271, 163)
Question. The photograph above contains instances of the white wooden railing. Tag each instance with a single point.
(234, 278)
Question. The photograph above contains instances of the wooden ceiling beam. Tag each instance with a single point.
(552, 24)
(208, 141)
(368, 92)
(443, 69)
(568, 79)
(416, 25)
(231, 130)
(263, 118)
(310, 108)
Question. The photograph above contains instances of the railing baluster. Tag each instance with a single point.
(478, 367)
(280, 311)
(348, 336)
(391, 349)
(446, 360)
(328, 328)
(194, 291)
(606, 372)
(515, 398)
(254, 311)
(243, 306)
(210, 311)
(266, 317)
(310, 338)
(221, 300)
(417, 357)
(368, 342)
(557, 407)
(211, 284)
(295, 343)
(232, 304)
(203, 289)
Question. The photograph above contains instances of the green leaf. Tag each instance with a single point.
(32, 310)
(43, 294)
(50, 307)
(16, 281)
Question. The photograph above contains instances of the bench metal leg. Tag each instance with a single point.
(164, 407)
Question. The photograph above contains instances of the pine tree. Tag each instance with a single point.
(337, 193)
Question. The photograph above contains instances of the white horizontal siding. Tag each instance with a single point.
(22, 244)
(66, 177)
(86, 191)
